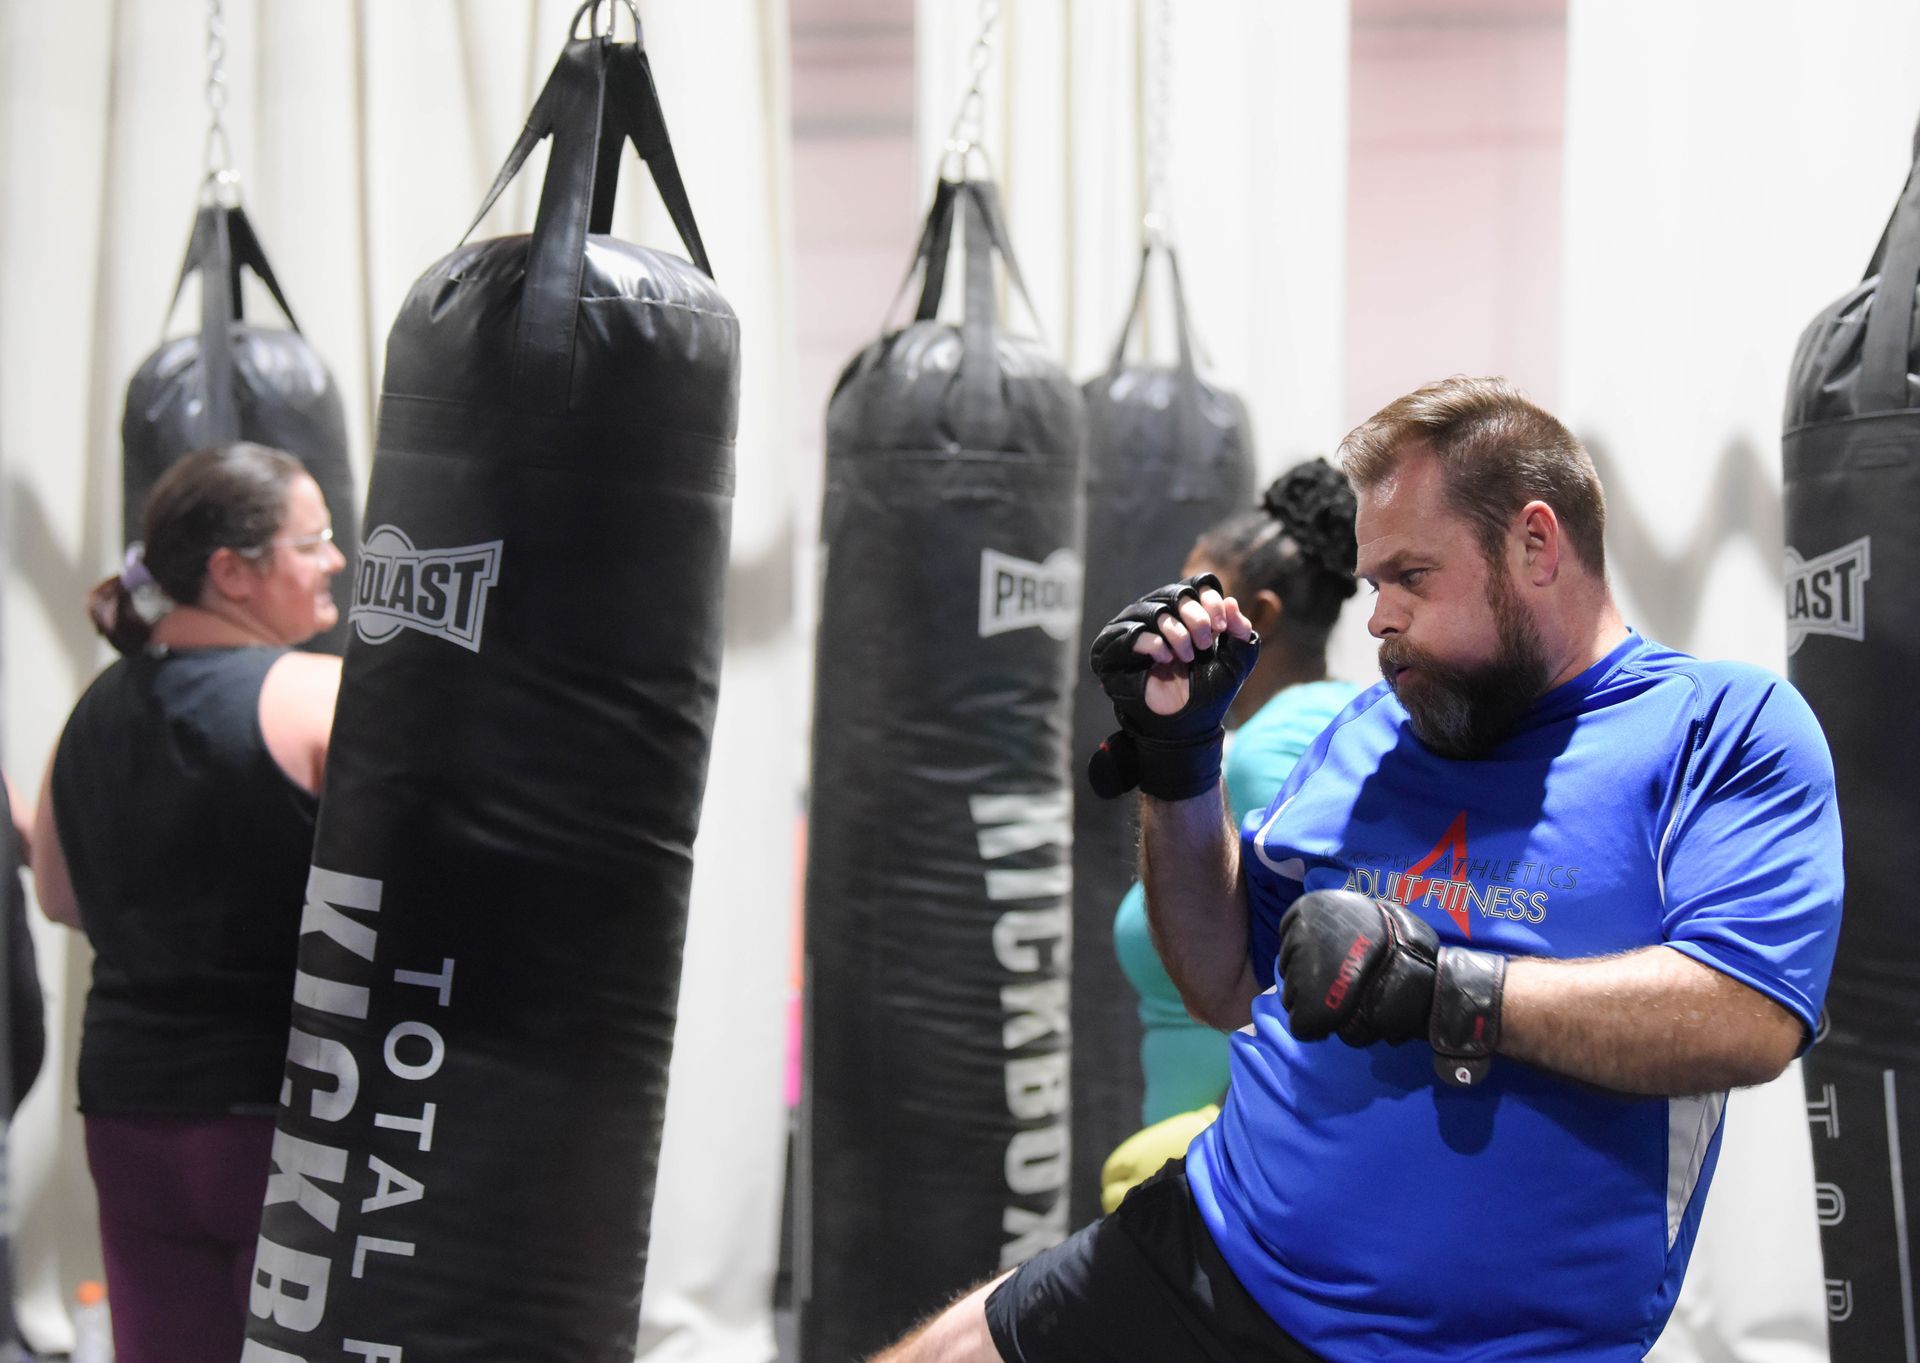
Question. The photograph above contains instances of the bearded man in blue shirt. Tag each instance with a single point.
(1493, 956)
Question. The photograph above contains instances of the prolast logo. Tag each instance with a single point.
(1826, 595)
(1015, 593)
(442, 592)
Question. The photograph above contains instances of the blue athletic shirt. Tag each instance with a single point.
(1380, 1215)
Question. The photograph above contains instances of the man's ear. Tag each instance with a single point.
(1263, 610)
(1541, 543)
(231, 575)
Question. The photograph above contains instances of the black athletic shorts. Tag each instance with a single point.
(1144, 1285)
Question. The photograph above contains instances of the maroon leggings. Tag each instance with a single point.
(179, 1214)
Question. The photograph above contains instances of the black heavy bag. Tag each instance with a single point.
(935, 1121)
(1168, 456)
(13, 906)
(490, 950)
(236, 380)
(1852, 450)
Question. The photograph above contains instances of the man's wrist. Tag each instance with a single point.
(1179, 769)
(1464, 1028)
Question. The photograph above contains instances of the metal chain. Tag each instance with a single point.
(1159, 112)
(969, 124)
(222, 178)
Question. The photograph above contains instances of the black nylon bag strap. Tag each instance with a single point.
(634, 95)
(979, 364)
(1181, 327)
(573, 109)
(930, 252)
(248, 251)
(1887, 348)
(1133, 311)
(1880, 247)
(606, 167)
(989, 199)
(636, 112)
(1182, 334)
(219, 418)
(1187, 424)
(556, 252)
(243, 249)
(935, 242)
(1187, 421)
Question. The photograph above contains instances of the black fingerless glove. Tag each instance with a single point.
(1176, 756)
(1369, 971)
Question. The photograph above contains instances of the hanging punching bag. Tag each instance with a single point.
(11, 893)
(236, 380)
(490, 950)
(1168, 456)
(935, 1115)
(1852, 451)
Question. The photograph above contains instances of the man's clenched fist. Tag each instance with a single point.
(1367, 971)
(1199, 646)
(1356, 968)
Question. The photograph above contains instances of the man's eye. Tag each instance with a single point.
(1411, 577)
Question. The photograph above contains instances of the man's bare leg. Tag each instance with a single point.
(957, 1335)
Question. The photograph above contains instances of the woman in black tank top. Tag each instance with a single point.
(175, 830)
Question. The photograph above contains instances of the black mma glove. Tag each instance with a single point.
(1369, 971)
(1176, 756)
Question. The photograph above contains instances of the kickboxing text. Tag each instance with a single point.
(342, 1190)
(1031, 940)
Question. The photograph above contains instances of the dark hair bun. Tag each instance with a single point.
(1315, 505)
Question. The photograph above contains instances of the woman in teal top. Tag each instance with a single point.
(1290, 563)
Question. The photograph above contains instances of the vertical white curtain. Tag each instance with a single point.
(1256, 175)
(367, 133)
(1728, 168)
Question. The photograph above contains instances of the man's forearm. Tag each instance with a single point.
(1197, 905)
(1652, 1021)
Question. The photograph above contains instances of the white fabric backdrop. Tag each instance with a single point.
(367, 134)
(1256, 188)
(1729, 166)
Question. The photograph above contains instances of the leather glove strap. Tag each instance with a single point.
(1464, 1028)
(1164, 769)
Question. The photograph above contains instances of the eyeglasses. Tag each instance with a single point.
(305, 544)
(313, 541)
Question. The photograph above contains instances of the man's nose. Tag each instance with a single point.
(1387, 618)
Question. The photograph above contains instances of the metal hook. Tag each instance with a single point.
(956, 154)
(221, 188)
(613, 14)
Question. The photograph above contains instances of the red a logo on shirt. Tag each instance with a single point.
(1449, 852)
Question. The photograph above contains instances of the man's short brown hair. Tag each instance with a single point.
(1498, 452)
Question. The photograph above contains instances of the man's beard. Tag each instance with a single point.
(1465, 712)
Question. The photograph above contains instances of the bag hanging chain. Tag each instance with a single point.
(969, 123)
(222, 184)
(1155, 222)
